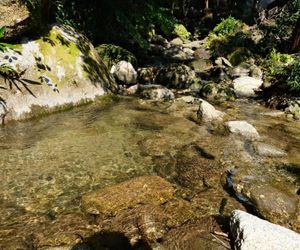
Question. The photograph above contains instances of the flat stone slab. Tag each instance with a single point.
(266, 150)
(243, 128)
(144, 190)
(251, 233)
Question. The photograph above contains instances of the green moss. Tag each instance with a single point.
(239, 55)
(55, 47)
(181, 31)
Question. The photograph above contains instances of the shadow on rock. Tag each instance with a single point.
(109, 241)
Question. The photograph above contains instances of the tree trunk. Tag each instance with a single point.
(296, 38)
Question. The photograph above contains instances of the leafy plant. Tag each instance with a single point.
(4, 46)
(228, 27)
(111, 54)
(294, 79)
(276, 62)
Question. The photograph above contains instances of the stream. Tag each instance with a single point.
(47, 164)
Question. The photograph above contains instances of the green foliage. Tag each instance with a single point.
(294, 77)
(228, 27)
(112, 54)
(276, 62)
(239, 55)
(278, 32)
(181, 31)
(161, 19)
(4, 46)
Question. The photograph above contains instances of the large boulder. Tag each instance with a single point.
(250, 232)
(62, 68)
(246, 86)
(124, 72)
(176, 76)
(141, 190)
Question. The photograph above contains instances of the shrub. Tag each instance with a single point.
(276, 62)
(181, 31)
(293, 80)
(228, 27)
(112, 54)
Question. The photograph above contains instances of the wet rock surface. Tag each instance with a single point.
(141, 190)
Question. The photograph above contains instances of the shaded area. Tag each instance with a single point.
(109, 241)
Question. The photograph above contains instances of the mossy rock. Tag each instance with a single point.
(176, 76)
(221, 92)
(60, 69)
(181, 31)
(239, 55)
(112, 54)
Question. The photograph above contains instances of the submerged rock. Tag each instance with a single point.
(250, 232)
(243, 128)
(142, 190)
(156, 92)
(245, 86)
(61, 68)
(124, 72)
(272, 203)
(263, 149)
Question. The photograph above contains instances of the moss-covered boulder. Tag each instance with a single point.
(176, 76)
(61, 68)
(181, 31)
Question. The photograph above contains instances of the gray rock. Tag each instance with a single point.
(201, 65)
(222, 61)
(243, 128)
(124, 72)
(132, 90)
(176, 41)
(147, 75)
(187, 99)
(239, 71)
(294, 109)
(176, 76)
(64, 74)
(193, 45)
(207, 112)
(245, 86)
(156, 92)
(202, 54)
(263, 149)
(178, 54)
(250, 232)
(278, 206)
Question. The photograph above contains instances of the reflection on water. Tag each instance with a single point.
(48, 163)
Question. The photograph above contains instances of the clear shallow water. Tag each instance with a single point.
(47, 164)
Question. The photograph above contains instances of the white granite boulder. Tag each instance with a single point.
(251, 233)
